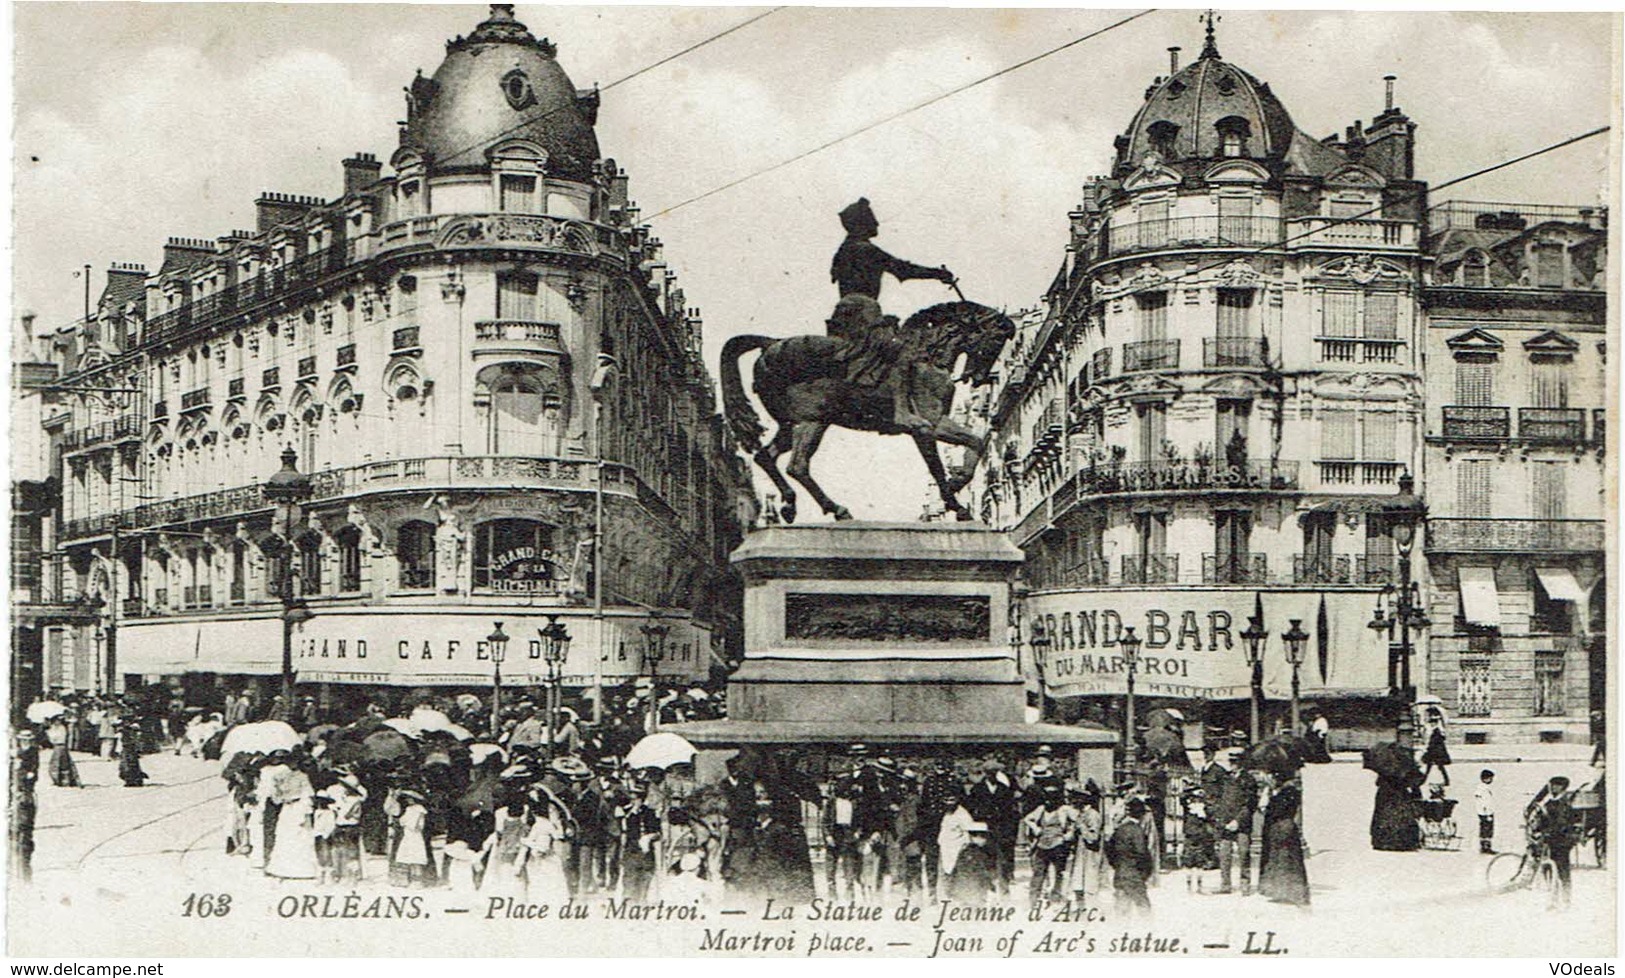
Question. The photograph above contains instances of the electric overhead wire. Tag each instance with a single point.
(900, 113)
(619, 81)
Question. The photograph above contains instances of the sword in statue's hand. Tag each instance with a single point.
(952, 282)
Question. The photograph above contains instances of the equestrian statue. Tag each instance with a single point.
(868, 373)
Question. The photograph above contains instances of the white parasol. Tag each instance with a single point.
(43, 711)
(427, 719)
(477, 753)
(660, 750)
(258, 738)
(403, 725)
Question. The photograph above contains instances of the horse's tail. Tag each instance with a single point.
(736, 406)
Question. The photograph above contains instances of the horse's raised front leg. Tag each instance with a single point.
(806, 438)
(927, 443)
(768, 458)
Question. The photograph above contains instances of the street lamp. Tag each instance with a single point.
(1400, 608)
(498, 643)
(1295, 638)
(555, 650)
(654, 649)
(1041, 645)
(100, 636)
(1253, 639)
(288, 490)
(1130, 644)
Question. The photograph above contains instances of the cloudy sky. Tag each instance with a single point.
(170, 119)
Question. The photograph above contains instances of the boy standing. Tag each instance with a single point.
(1484, 804)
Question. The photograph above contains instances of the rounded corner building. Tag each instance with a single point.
(483, 366)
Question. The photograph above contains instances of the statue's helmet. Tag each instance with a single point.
(858, 218)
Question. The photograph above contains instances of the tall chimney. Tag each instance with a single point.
(1173, 60)
(1388, 103)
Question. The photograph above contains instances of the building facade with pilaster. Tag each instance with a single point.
(482, 361)
(1218, 402)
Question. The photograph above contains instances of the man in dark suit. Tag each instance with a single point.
(1233, 796)
(995, 800)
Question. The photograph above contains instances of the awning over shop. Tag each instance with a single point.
(1559, 583)
(249, 647)
(1480, 604)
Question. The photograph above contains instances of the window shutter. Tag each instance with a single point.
(1549, 384)
(1337, 434)
(1377, 436)
(1473, 489)
(1382, 316)
(1234, 306)
(1339, 314)
(1153, 315)
(1549, 490)
(1475, 384)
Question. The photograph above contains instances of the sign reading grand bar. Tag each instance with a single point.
(1192, 642)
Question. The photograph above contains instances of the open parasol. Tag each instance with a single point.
(46, 710)
(1166, 746)
(477, 753)
(386, 745)
(661, 750)
(1280, 755)
(320, 732)
(1390, 760)
(402, 725)
(263, 737)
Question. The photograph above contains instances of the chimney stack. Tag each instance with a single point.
(1388, 103)
(1173, 60)
(360, 172)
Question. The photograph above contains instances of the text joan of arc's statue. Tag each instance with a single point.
(872, 350)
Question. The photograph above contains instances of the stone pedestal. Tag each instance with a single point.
(885, 634)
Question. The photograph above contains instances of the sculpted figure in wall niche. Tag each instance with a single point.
(449, 539)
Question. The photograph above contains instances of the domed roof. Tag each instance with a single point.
(1188, 115)
(499, 84)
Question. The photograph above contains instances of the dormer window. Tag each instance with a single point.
(1162, 134)
(1234, 131)
(1475, 269)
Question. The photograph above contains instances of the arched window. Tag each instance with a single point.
(309, 437)
(1162, 134)
(524, 410)
(310, 564)
(1234, 131)
(349, 541)
(414, 553)
(515, 556)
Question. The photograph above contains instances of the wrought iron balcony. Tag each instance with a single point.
(1189, 232)
(1376, 569)
(1235, 568)
(160, 410)
(234, 387)
(1321, 569)
(405, 338)
(193, 400)
(1468, 534)
(1234, 351)
(1150, 568)
(1151, 355)
(1552, 426)
(346, 355)
(271, 378)
(1477, 423)
(307, 367)
(1089, 572)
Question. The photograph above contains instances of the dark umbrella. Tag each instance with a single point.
(1167, 747)
(1162, 718)
(1390, 760)
(1278, 756)
(387, 745)
(360, 730)
(1323, 641)
(344, 752)
(211, 747)
(239, 763)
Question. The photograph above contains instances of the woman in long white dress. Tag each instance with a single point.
(545, 879)
(504, 854)
(294, 856)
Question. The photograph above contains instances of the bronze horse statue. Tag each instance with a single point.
(803, 385)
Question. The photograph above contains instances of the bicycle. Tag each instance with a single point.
(1531, 869)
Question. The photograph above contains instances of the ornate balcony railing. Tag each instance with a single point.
(1321, 569)
(445, 472)
(1361, 473)
(234, 387)
(1234, 351)
(530, 231)
(1349, 349)
(1552, 426)
(405, 338)
(1150, 568)
(192, 400)
(1376, 569)
(271, 378)
(1467, 534)
(1235, 568)
(197, 316)
(1151, 355)
(160, 410)
(1477, 423)
(1089, 572)
(1309, 232)
(307, 367)
(121, 427)
(526, 331)
(346, 355)
(1189, 232)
